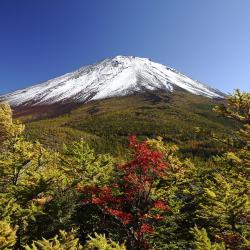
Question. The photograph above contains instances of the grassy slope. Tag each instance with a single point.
(105, 124)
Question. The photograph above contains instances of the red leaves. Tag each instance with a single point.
(125, 217)
(132, 141)
(161, 205)
(146, 228)
(147, 165)
(97, 201)
(129, 198)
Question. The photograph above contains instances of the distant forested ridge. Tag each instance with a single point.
(124, 182)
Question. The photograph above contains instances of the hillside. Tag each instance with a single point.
(106, 124)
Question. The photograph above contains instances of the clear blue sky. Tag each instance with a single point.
(207, 40)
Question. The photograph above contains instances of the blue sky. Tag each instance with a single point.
(207, 40)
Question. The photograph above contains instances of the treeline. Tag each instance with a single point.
(149, 199)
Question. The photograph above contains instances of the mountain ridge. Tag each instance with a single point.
(115, 76)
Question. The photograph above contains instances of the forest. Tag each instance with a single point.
(153, 194)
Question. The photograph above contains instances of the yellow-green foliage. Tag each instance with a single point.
(63, 241)
(169, 151)
(202, 242)
(177, 169)
(223, 205)
(7, 235)
(8, 129)
(29, 176)
(69, 241)
(238, 107)
(100, 242)
(83, 166)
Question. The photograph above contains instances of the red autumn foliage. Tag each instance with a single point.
(161, 205)
(125, 217)
(146, 228)
(129, 199)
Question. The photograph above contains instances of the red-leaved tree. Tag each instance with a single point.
(130, 198)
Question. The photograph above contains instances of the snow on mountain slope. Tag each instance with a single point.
(117, 76)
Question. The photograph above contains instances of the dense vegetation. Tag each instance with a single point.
(106, 124)
(148, 196)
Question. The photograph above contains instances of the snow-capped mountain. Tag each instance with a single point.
(117, 76)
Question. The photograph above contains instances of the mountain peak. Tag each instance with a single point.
(116, 76)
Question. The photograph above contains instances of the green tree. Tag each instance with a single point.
(224, 209)
(83, 166)
(29, 177)
(202, 242)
